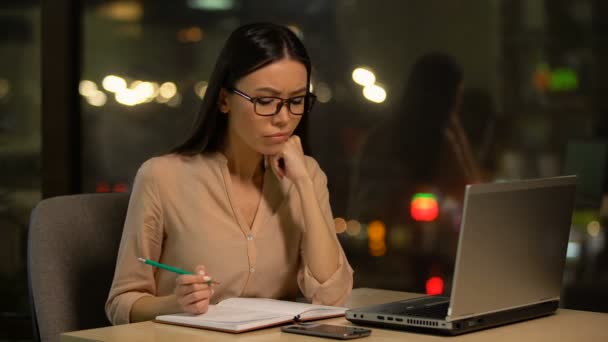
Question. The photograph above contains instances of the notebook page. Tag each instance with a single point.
(219, 314)
(283, 307)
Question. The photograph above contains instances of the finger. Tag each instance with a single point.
(276, 167)
(296, 139)
(289, 143)
(198, 307)
(299, 144)
(209, 281)
(192, 298)
(295, 144)
(200, 269)
(197, 296)
(188, 279)
(187, 289)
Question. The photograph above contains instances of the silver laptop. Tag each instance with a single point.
(509, 263)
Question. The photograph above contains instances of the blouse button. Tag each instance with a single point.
(249, 237)
(252, 270)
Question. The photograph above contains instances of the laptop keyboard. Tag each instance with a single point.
(431, 307)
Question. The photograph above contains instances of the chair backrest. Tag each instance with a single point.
(72, 248)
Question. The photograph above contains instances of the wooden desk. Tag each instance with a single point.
(566, 325)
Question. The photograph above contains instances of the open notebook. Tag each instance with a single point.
(238, 315)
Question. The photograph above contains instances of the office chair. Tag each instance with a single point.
(72, 248)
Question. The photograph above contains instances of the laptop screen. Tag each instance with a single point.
(512, 245)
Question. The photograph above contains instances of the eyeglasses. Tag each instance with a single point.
(271, 105)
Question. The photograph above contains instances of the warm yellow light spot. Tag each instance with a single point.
(340, 225)
(144, 91)
(97, 99)
(323, 92)
(168, 90)
(377, 248)
(376, 231)
(190, 35)
(363, 76)
(122, 10)
(127, 97)
(114, 83)
(594, 228)
(200, 88)
(374, 93)
(87, 88)
(353, 227)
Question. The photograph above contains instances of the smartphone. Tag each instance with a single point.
(326, 330)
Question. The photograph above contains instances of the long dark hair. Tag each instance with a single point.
(249, 48)
(430, 98)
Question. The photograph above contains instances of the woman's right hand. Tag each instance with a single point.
(193, 292)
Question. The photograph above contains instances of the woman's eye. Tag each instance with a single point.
(265, 100)
(297, 100)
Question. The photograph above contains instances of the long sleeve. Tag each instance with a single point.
(336, 289)
(142, 237)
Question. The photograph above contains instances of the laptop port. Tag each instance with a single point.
(381, 317)
(399, 319)
(389, 318)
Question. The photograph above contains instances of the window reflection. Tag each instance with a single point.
(19, 156)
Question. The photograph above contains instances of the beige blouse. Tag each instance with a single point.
(181, 213)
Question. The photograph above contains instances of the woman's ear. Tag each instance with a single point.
(222, 101)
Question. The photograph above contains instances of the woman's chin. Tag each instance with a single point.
(271, 150)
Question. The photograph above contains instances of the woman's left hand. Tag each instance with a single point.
(290, 161)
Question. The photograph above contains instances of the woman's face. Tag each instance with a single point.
(285, 78)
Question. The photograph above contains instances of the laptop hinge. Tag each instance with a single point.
(471, 314)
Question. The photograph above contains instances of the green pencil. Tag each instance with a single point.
(172, 269)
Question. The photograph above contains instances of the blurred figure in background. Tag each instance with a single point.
(479, 118)
(423, 147)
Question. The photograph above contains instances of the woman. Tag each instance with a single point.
(238, 201)
(424, 146)
(421, 149)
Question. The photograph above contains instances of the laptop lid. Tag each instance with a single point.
(512, 245)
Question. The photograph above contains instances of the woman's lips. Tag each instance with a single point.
(278, 137)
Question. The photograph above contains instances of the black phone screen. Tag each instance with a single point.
(327, 330)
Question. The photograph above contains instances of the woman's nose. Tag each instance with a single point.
(282, 116)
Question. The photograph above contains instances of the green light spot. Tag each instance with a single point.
(563, 79)
(423, 195)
